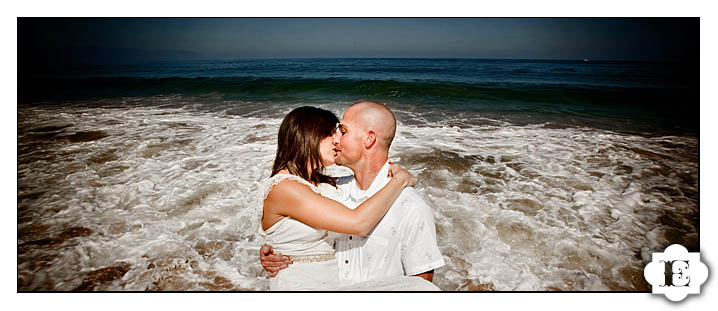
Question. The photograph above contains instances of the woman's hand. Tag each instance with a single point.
(400, 173)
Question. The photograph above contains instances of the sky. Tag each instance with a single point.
(241, 38)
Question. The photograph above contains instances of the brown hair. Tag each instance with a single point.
(298, 143)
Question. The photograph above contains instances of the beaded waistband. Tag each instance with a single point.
(311, 258)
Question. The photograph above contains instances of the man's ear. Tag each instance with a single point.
(370, 139)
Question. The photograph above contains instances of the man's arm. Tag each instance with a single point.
(428, 275)
(272, 263)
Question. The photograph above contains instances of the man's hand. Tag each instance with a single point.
(272, 263)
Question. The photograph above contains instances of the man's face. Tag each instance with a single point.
(349, 141)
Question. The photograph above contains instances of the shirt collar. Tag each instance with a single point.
(379, 181)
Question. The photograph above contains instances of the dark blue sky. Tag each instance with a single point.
(210, 38)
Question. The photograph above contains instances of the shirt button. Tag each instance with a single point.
(346, 261)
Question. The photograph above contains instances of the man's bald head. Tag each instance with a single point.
(377, 117)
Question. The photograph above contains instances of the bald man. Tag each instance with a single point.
(404, 241)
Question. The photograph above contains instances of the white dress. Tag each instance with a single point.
(315, 267)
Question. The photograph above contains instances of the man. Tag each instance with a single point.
(404, 241)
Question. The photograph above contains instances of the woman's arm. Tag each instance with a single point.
(293, 199)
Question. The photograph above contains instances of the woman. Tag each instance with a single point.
(296, 217)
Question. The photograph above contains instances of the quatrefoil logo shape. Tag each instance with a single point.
(676, 273)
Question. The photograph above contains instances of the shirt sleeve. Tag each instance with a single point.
(419, 250)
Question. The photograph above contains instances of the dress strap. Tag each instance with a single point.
(276, 179)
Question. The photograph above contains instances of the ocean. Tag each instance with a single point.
(542, 175)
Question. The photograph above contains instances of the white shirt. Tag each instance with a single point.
(403, 243)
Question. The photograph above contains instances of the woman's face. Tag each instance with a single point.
(327, 150)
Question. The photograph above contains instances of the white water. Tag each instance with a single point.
(169, 194)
